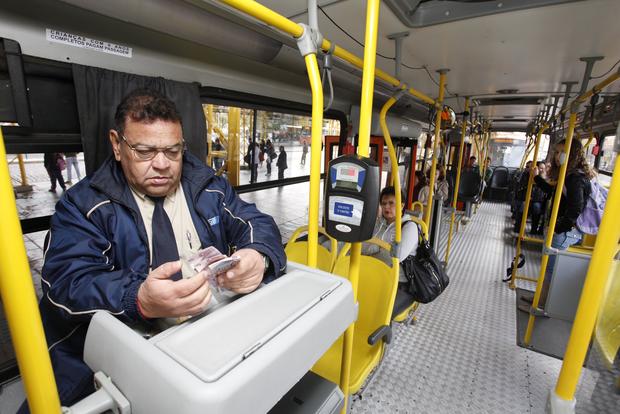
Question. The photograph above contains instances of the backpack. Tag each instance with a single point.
(425, 273)
(61, 163)
(590, 218)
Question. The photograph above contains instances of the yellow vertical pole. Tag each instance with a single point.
(552, 220)
(368, 80)
(232, 163)
(208, 111)
(315, 157)
(244, 130)
(481, 145)
(22, 169)
(475, 140)
(526, 207)
(526, 154)
(455, 196)
(605, 249)
(590, 139)
(20, 304)
(431, 184)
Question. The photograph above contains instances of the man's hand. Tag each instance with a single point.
(160, 297)
(247, 275)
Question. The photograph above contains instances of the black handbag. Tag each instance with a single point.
(425, 274)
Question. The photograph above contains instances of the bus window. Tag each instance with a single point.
(607, 160)
(608, 156)
(507, 149)
(291, 131)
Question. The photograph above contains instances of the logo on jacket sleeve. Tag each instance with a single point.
(214, 221)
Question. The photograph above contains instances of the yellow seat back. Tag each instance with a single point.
(297, 250)
(375, 295)
(588, 240)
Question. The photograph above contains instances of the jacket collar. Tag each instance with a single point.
(110, 179)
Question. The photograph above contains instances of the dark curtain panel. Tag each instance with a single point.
(99, 91)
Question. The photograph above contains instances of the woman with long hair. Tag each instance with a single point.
(574, 196)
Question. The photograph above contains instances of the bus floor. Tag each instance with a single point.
(462, 355)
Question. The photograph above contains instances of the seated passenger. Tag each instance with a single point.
(442, 188)
(385, 230)
(520, 193)
(488, 172)
(574, 196)
(471, 163)
(420, 183)
(538, 202)
(116, 238)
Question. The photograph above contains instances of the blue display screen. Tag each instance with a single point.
(343, 209)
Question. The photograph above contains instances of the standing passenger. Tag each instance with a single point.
(574, 196)
(270, 153)
(281, 163)
(304, 152)
(51, 163)
(72, 161)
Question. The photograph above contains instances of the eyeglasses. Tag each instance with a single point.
(146, 153)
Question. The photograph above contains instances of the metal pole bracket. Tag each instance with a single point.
(309, 40)
(550, 251)
(395, 250)
(400, 93)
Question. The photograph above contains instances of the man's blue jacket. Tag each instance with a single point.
(97, 255)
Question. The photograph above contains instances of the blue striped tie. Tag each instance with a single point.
(163, 241)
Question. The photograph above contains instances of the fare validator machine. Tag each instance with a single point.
(352, 198)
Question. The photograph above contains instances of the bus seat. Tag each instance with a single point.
(404, 306)
(297, 249)
(569, 274)
(469, 189)
(376, 292)
(498, 188)
(607, 329)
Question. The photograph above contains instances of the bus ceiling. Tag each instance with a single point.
(422, 13)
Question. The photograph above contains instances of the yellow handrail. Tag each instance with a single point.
(596, 279)
(312, 68)
(422, 225)
(398, 196)
(20, 304)
(526, 206)
(458, 181)
(394, 164)
(431, 184)
(526, 154)
(280, 22)
(417, 205)
(554, 216)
